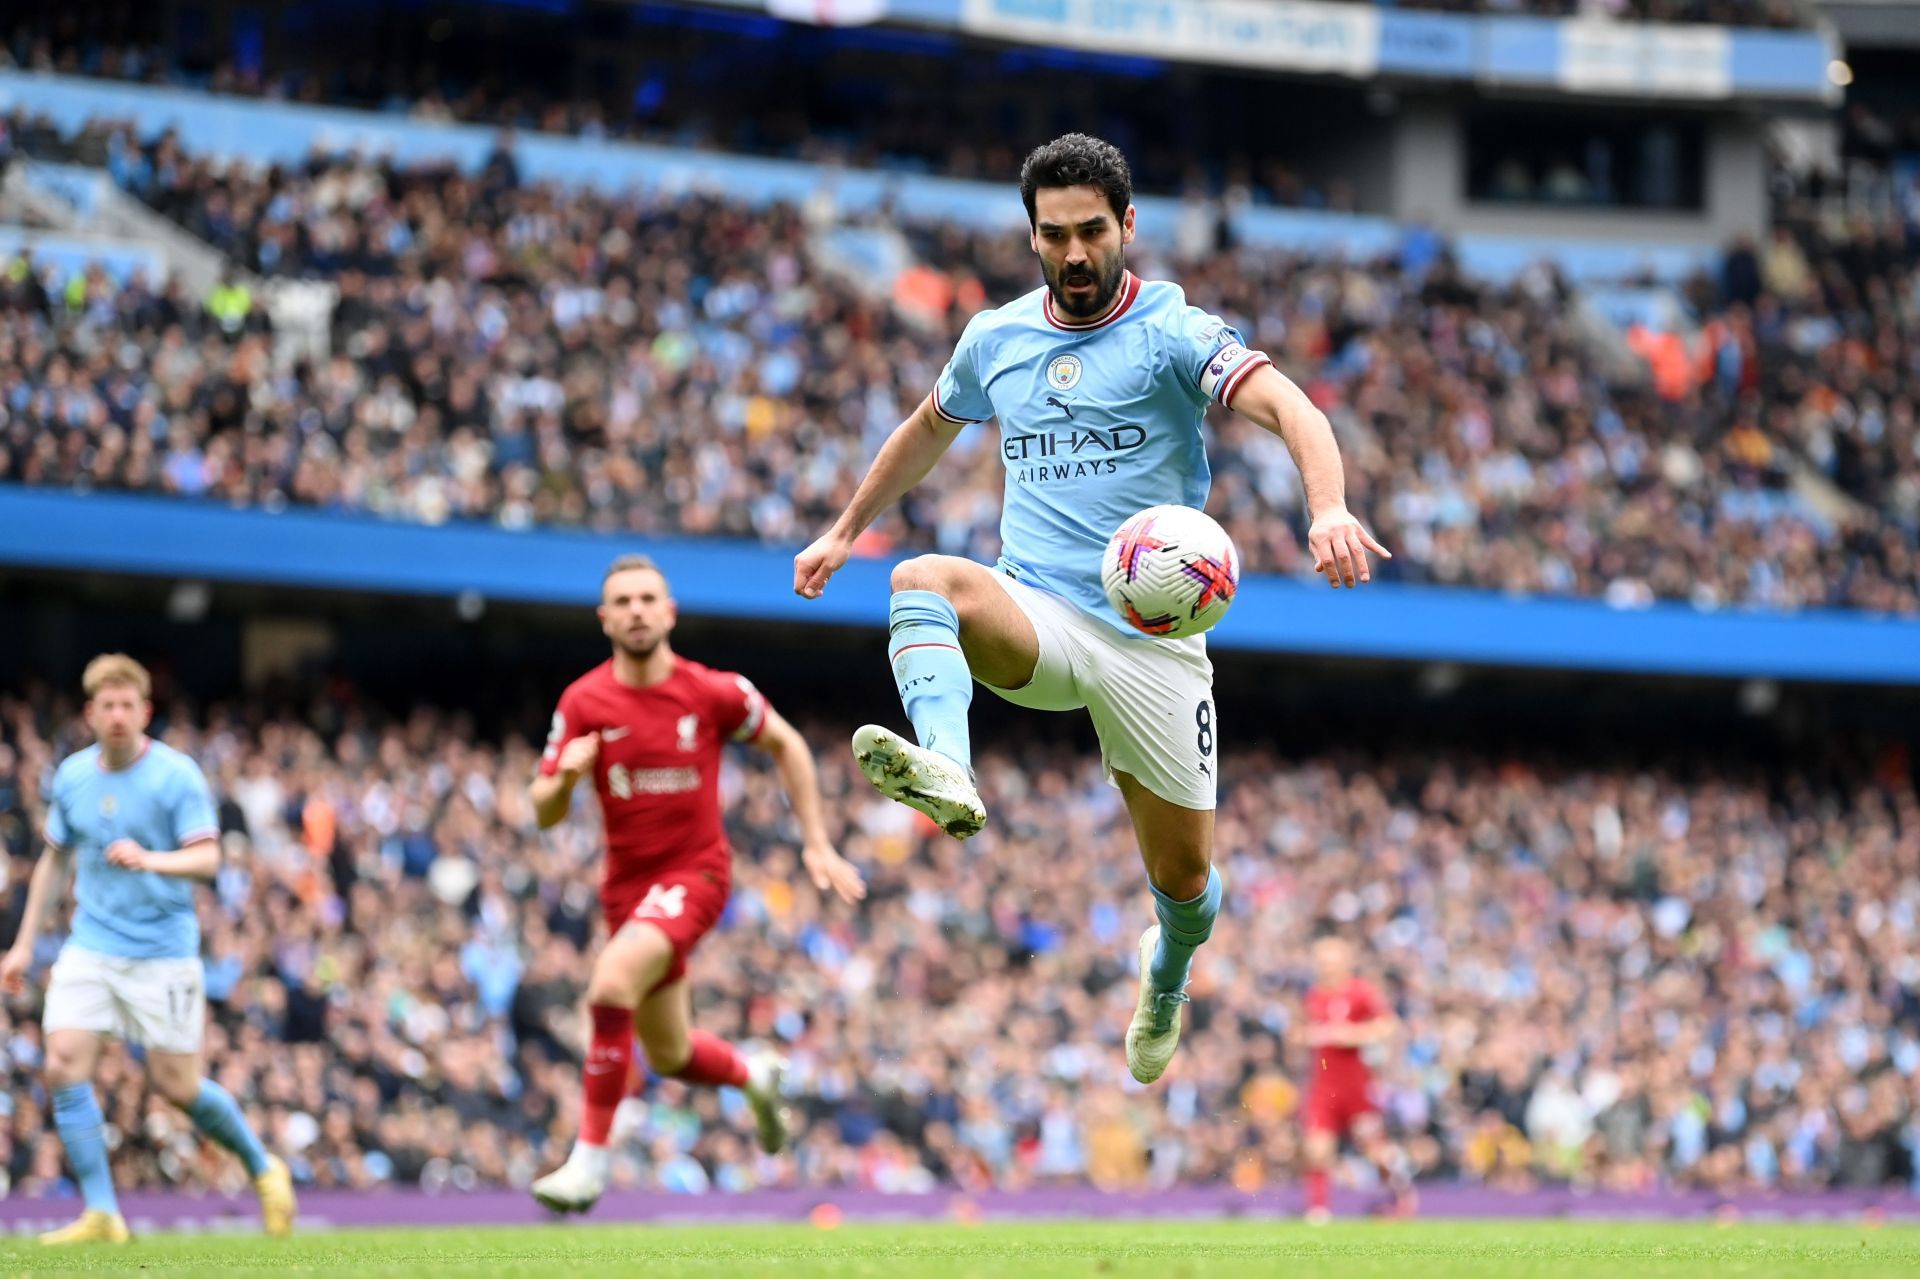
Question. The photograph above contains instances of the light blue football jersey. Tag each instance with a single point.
(160, 801)
(1097, 422)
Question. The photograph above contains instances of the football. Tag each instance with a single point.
(1170, 571)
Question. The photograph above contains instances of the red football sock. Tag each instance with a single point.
(605, 1075)
(1318, 1195)
(713, 1061)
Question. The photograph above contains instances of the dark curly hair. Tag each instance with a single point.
(1078, 160)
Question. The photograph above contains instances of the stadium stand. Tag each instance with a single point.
(1614, 972)
(689, 366)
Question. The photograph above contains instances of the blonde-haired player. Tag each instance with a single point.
(135, 820)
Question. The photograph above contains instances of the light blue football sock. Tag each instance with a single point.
(77, 1118)
(1183, 927)
(931, 672)
(215, 1113)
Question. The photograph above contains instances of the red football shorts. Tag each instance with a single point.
(1334, 1105)
(684, 902)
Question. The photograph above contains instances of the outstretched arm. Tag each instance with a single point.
(904, 460)
(794, 760)
(1339, 543)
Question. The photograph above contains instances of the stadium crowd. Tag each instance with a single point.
(515, 352)
(1626, 974)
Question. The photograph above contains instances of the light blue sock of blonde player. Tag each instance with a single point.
(1183, 927)
(215, 1113)
(77, 1118)
(931, 672)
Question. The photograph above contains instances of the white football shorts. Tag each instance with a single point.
(161, 1003)
(1151, 700)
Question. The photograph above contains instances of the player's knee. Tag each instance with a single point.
(66, 1069)
(925, 573)
(1180, 870)
(71, 1056)
(179, 1087)
(613, 986)
(637, 957)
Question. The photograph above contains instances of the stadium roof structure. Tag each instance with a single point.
(1575, 56)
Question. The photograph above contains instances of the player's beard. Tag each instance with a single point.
(1107, 280)
(638, 652)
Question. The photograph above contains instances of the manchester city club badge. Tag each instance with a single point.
(1063, 372)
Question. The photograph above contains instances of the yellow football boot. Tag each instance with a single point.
(94, 1226)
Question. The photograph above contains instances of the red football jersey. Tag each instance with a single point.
(658, 773)
(1348, 1005)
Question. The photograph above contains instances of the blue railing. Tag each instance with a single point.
(183, 539)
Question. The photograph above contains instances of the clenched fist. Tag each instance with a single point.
(577, 757)
(813, 566)
(13, 970)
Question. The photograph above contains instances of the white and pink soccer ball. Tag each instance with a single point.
(1170, 571)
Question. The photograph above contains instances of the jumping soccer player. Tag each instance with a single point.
(650, 727)
(135, 819)
(1346, 1014)
(1100, 382)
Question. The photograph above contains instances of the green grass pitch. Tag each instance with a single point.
(1221, 1250)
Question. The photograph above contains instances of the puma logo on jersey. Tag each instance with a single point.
(1062, 405)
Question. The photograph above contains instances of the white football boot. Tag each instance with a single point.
(575, 1186)
(921, 779)
(765, 1071)
(1155, 1030)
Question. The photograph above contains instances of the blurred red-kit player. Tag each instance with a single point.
(649, 727)
(1345, 1015)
